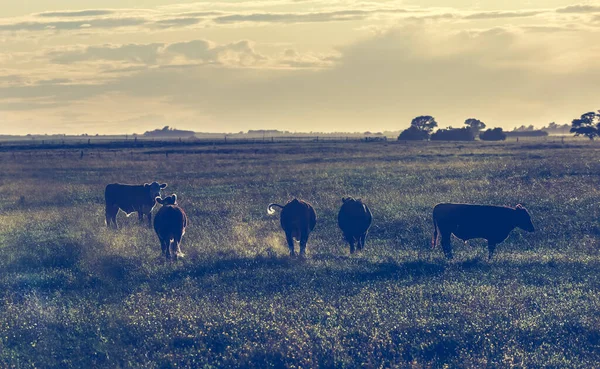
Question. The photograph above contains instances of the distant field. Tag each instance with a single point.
(76, 295)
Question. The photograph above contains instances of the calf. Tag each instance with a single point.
(492, 223)
(354, 220)
(298, 219)
(169, 223)
(130, 198)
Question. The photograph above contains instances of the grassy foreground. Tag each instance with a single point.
(74, 294)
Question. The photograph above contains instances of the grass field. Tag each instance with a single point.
(75, 294)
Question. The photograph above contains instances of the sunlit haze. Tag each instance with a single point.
(129, 66)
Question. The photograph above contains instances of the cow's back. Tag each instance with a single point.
(469, 221)
(354, 218)
(170, 222)
(129, 198)
(298, 214)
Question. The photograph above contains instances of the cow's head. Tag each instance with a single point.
(154, 188)
(523, 219)
(169, 200)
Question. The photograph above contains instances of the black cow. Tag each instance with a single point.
(130, 198)
(298, 219)
(492, 223)
(169, 223)
(354, 220)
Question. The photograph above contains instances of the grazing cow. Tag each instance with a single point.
(492, 223)
(130, 198)
(354, 220)
(298, 219)
(169, 223)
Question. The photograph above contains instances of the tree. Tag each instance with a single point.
(424, 123)
(453, 134)
(495, 134)
(413, 134)
(475, 125)
(588, 125)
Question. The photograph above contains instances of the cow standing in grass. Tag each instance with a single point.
(298, 219)
(169, 223)
(354, 220)
(130, 198)
(492, 223)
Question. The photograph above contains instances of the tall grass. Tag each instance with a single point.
(75, 294)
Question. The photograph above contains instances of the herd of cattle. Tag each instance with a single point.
(298, 219)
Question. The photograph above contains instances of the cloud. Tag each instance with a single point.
(137, 57)
(239, 53)
(177, 22)
(539, 72)
(82, 13)
(103, 23)
(503, 14)
(579, 9)
(134, 53)
(333, 16)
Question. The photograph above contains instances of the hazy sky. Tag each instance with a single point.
(124, 66)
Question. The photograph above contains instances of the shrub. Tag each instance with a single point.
(495, 134)
(453, 134)
(413, 134)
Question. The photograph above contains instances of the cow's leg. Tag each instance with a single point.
(168, 249)
(163, 246)
(177, 242)
(350, 240)
(111, 215)
(303, 242)
(361, 241)
(140, 216)
(290, 241)
(108, 217)
(491, 249)
(447, 244)
(149, 215)
(173, 246)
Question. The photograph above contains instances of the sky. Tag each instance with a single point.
(125, 66)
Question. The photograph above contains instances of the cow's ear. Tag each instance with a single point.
(146, 185)
(164, 185)
(519, 206)
(159, 200)
(174, 198)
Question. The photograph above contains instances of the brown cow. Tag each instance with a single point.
(169, 223)
(298, 219)
(492, 223)
(354, 220)
(130, 198)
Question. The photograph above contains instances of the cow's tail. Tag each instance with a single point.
(435, 233)
(270, 209)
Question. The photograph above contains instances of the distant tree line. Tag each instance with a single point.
(166, 131)
(422, 128)
(587, 125)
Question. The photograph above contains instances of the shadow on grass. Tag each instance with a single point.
(66, 266)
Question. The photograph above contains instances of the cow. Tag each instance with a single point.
(169, 223)
(298, 219)
(466, 221)
(354, 220)
(130, 198)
